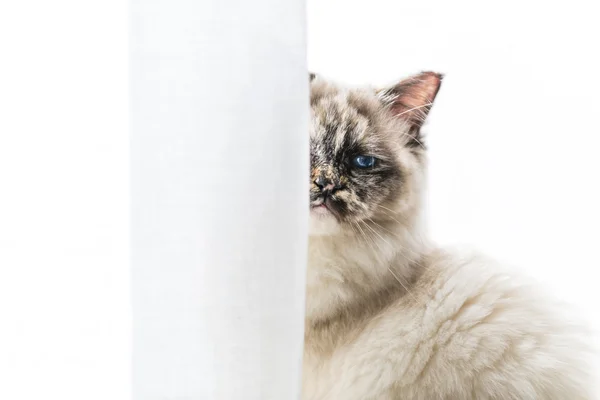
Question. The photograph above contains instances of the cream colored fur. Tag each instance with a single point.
(465, 330)
(391, 317)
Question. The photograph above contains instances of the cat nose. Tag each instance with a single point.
(327, 185)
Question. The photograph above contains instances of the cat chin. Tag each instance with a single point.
(321, 224)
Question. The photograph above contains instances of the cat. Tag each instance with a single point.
(389, 316)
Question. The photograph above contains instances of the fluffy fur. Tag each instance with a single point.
(390, 316)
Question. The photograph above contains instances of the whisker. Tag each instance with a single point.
(414, 108)
(404, 286)
(394, 234)
(389, 269)
(390, 210)
(416, 140)
(402, 248)
(394, 213)
(364, 236)
(367, 236)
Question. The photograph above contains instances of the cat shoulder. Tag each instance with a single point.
(493, 333)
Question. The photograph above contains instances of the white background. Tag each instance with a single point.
(513, 138)
(515, 131)
(64, 271)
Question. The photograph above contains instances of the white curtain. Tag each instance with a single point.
(219, 151)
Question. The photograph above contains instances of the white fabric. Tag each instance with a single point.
(219, 202)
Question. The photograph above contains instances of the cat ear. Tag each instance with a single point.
(412, 98)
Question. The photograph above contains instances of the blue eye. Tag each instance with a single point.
(363, 161)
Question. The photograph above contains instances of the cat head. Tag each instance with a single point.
(367, 152)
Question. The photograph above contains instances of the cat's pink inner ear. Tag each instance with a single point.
(412, 98)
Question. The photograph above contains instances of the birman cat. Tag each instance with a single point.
(389, 316)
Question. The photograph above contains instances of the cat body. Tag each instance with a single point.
(388, 315)
(465, 330)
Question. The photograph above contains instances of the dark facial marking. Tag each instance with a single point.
(355, 162)
(351, 170)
